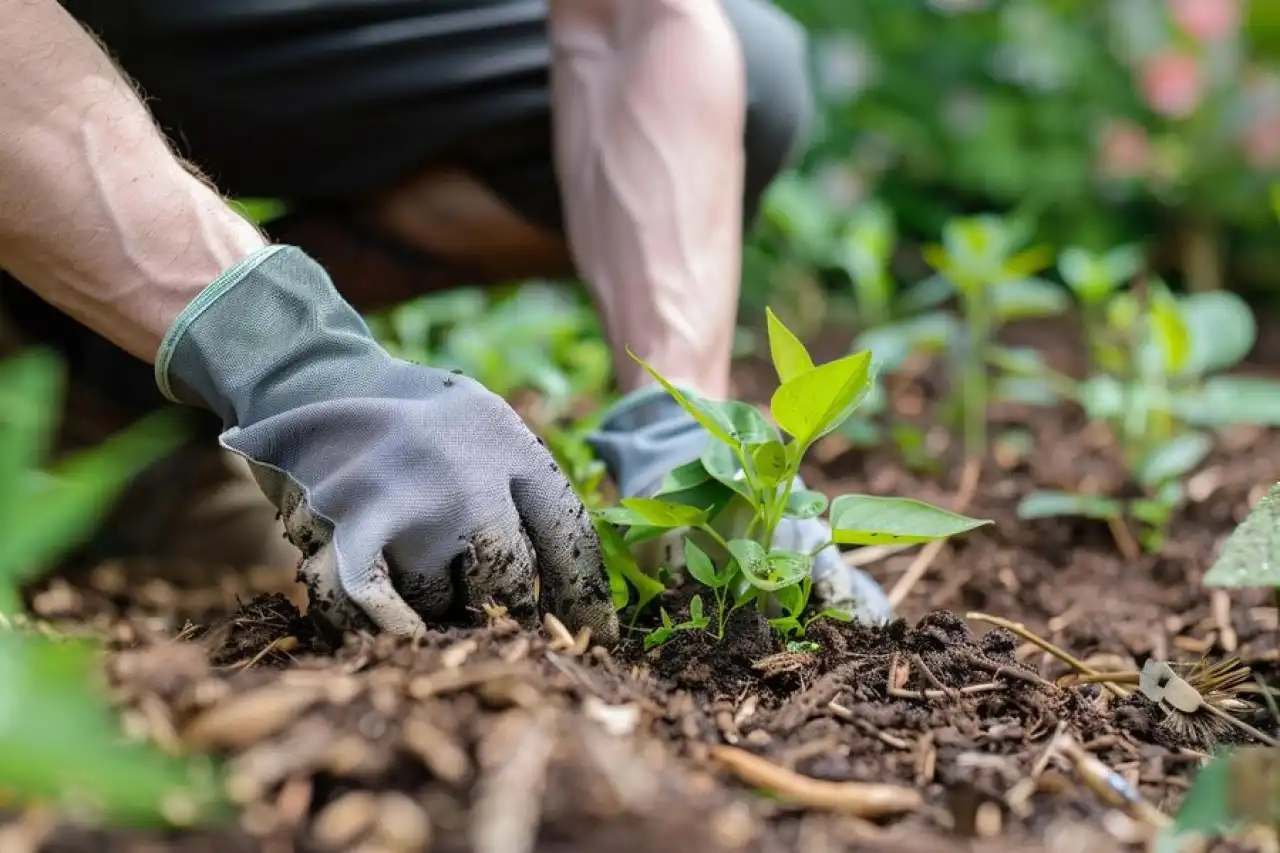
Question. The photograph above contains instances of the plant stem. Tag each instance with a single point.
(975, 374)
(707, 529)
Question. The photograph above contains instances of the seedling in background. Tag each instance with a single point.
(979, 256)
(1156, 356)
(59, 742)
(746, 480)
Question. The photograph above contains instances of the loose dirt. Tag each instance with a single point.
(939, 732)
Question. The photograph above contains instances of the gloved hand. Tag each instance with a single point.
(411, 491)
(647, 434)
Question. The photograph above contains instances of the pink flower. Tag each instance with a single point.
(1206, 20)
(1124, 149)
(1170, 84)
(1261, 143)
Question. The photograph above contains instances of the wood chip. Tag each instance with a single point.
(250, 717)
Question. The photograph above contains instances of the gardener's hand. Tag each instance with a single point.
(648, 434)
(412, 492)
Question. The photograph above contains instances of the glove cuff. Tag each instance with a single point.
(644, 436)
(271, 333)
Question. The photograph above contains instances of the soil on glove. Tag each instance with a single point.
(495, 739)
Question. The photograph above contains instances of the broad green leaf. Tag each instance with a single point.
(747, 424)
(1221, 331)
(1023, 361)
(1174, 459)
(622, 516)
(683, 478)
(1027, 263)
(871, 520)
(660, 513)
(637, 533)
(1084, 273)
(790, 358)
(786, 567)
(814, 403)
(700, 566)
(753, 561)
(619, 563)
(1051, 504)
(770, 461)
(722, 463)
(802, 503)
(837, 615)
(703, 411)
(1251, 555)
(1028, 299)
(1228, 400)
(791, 599)
(711, 497)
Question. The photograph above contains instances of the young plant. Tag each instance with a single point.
(1160, 395)
(980, 256)
(60, 744)
(733, 498)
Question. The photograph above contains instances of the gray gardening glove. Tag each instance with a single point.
(647, 434)
(412, 492)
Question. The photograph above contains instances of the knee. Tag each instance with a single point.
(780, 103)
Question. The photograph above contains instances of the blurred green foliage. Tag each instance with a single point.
(60, 744)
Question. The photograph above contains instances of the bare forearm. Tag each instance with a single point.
(97, 215)
(649, 106)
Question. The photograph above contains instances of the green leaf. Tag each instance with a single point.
(1174, 458)
(791, 599)
(1251, 555)
(892, 343)
(683, 478)
(770, 461)
(1228, 400)
(700, 566)
(619, 563)
(71, 503)
(837, 615)
(60, 744)
(746, 423)
(657, 637)
(1051, 504)
(786, 567)
(695, 610)
(753, 561)
(871, 520)
(803, 503)
(1028, 299)
(722, 463)
(1169, 330)
(1221, 330)
(1206, 807)
(790, 358)
(660, 513)
(814, 403)
(703, 411)
(1123, 263)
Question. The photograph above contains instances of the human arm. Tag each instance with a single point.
(649, 110)
(98, 216)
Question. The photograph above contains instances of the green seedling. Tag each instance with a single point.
(1095, 280)
(733, 498)
(60, 745)
(981, 258)
(534, 336)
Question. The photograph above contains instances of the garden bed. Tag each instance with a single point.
(497, 740)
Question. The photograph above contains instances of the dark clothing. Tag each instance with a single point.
(322, 103)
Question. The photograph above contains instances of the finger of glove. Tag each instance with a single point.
(348, 592)
(569, 560)
(839, 586)
(498, 565)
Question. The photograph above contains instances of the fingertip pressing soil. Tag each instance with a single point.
(496, 739)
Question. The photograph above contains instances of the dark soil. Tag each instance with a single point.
(498, 740)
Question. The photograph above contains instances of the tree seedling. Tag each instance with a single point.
(745, 483)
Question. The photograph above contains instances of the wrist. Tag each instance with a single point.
(270, 333)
